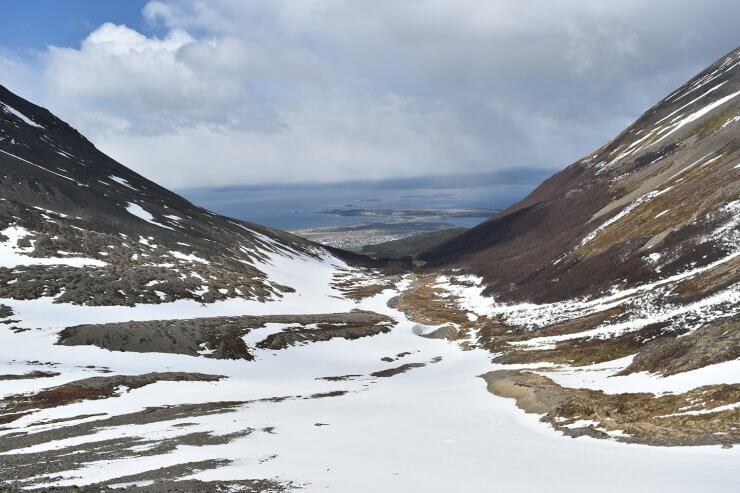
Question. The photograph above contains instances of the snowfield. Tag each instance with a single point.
(432, 428)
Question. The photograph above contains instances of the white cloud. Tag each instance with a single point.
(339, 139)
(171, 80)
(235, 92)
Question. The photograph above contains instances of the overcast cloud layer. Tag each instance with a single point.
(244, 92)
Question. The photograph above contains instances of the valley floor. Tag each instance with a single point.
(392, 411)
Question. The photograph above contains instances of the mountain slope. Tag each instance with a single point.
(617, 280)
(149, 345)
(91, 231)
(123, 306)
(661, 196)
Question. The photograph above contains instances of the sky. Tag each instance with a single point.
(195, 93)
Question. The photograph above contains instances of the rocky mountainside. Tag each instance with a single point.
(662, 196)
(90, 231)
(110, 284)
(625, 264)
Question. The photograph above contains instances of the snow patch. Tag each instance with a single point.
(24, 118)
(121, 181)
(141, 213)
(188, 257)
(11, 255)
(698, 114)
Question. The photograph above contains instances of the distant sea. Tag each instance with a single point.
(296, 207)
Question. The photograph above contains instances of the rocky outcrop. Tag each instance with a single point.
(221, 337)
(713, 343)
(699, 417)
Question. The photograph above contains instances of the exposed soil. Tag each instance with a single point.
(24, 470)
(713, 343)
(218, 337)
(49, 462)
(165, 480)
(533, 251)
(589, 350)
(13, 407)
(639, 418)
(425, 303)
(632, 417)
(324, 395)
(30, 375)
(148, 415)
(357, 287)
(390, 359)
(338, 378)
(64, 420)
(5, 311)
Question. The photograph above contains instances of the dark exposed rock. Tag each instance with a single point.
(5, 311)
(13, 407)
(48, 463)
(30, 374)
(146, 416)
(71, 200)
(166, 480)
(390, 372)
(713, 343)
(356, 325)
(218, 337)
(338, 378)
(221, 337)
